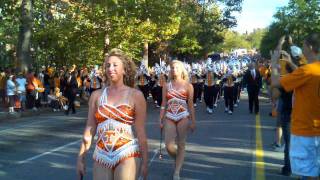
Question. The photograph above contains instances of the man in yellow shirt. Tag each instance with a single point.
(305, 117)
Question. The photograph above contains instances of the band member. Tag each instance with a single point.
(95, 82)
(117, 114)
(209, 86)
(237, 88)
(160, 80)
(216, 89)
(152, 86)
(228, 92)
(176, 110)
(194, 81)
(201, 85)
(143, 78)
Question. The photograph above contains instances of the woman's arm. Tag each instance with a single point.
(89, 132)
(190, 106)
(140, 119)
(163, 104)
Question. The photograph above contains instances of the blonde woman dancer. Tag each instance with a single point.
(176, 110)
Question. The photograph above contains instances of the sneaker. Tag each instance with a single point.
(156, 102)
(238, 100)
(210, 111)
(54, 110)
(200, 101)
(215, 105)
(176, 177)
(285, 171)
(230, 112)
(235, 105)
(157, 106)
(278, 148)
(226, 110)
(194, 105)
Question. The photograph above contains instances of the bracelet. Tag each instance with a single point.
(162, 107)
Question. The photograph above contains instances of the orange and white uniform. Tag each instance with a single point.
(116, 135)
(177, 108)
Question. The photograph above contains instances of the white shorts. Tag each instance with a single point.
(305, 155)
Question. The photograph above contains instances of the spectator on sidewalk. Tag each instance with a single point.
(3, 83)
(53, 100)
(284, 116)
(21, 90)
(46, 84)
(70, 91)
(31, 91)
(305, 121)
(56, 80)
(39, 91)
(11, 92)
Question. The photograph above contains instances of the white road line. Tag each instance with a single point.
(156, 151)
(26, 124)
(48, 152)
(30, 124)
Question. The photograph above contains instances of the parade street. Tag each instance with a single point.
(223, 146)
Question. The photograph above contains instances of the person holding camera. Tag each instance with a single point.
(284, 107)
(305, 117)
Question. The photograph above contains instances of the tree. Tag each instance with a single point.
(299, 17)
(9, 28)
(80, 32)
(202, 26)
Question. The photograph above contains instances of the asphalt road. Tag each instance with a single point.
(223, 146)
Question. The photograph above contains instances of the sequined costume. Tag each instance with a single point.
(116, 136)
(177, 104)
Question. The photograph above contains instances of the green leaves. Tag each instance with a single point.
(68, 32)
(300, 17)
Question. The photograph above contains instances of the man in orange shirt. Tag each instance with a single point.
(305, 123)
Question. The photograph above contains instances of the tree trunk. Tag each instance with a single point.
(145, 53)
(24, 41)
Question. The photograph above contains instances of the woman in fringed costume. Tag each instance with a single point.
(176, 110)
(117, 115)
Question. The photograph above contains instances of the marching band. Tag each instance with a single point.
(210, 79)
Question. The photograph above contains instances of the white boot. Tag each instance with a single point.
(11, 109)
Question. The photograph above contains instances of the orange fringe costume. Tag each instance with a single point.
(116, 136)
(177, 104)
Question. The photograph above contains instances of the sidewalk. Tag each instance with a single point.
(4, 115)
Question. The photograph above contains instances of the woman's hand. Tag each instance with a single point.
(81, 168)
(286, 56)
(162, 113)
(192, 126)
(144, 170)
(160, 123)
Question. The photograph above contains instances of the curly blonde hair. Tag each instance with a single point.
(184, 72)
(128, 65)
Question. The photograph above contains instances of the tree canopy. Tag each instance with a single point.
(299, 18)
(80, 32)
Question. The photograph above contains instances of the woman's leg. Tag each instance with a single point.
(170, 134)
(101, 173)
(182, 128)
(127, 169)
